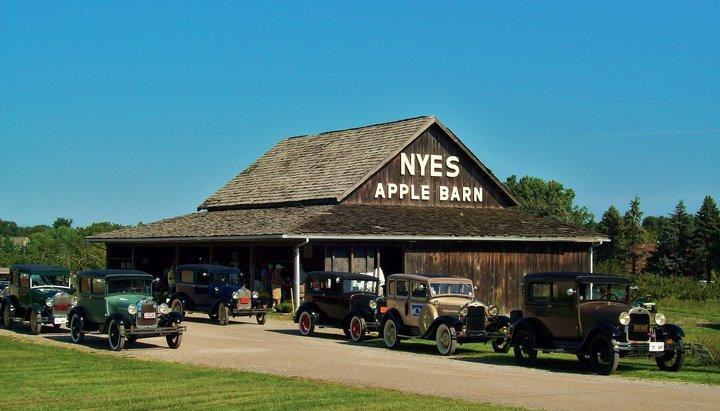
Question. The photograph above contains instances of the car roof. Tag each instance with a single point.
(115, 273)
(38, 267)
(207, 267)
(428, 277)
(581, 277)
(347, 276)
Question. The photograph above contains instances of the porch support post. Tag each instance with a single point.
(296, 276)
(591, 258)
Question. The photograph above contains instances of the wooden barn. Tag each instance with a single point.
(404, 196)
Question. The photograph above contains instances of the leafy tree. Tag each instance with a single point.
(706, 239)
(549, 199)
(8, 228)
(613, 226)
(62, 222)
(674, 244)
(634, 235)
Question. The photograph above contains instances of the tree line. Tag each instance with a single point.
(680, 244)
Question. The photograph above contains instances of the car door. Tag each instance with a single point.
(184, 279)
(201, 288)
(24, 290)
(330, 299)
(416, 301)
(401, 302)
(97, 310)
(539, 300)
(563, 321)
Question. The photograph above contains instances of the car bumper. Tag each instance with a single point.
(248, 311)
(480, 336)
(53, 320)
(155, 332)
(646, 348)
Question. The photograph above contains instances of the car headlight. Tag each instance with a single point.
(235, 295)
(463, 311)
(624, 318)
(660, 319)
(373, 304)
(255, 294)
(48, 302)
(132, 310)
(493, 310)
(163, 308)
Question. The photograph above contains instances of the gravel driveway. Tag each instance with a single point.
(277, 348)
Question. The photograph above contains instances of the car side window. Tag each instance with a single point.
(402, 289)
(186, 276)
(564, 292)
(391, 288)
(15, 277)
(419, 291)
(202, 278)
(540, 291)
(98, 286)
(85, 285)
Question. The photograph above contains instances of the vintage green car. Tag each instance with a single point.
(39, 294)
(119, 303)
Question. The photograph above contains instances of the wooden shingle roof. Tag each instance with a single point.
(316, 168)
(354, 221)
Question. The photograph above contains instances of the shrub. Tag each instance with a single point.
(682, 288)
(284, 307)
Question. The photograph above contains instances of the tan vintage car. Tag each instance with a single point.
(441, 308)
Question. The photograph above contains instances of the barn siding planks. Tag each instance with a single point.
(496, 269)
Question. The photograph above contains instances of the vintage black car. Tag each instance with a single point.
(591, 316)
(38, 294)
(339, 300)
(440, 308)
(217, 290)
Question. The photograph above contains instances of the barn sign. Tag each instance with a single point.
(434, 166)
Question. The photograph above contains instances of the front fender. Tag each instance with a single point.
(170, 319)
(609, 330)
(120, 319)
(672, 331)
(38, 308)
(452, 322)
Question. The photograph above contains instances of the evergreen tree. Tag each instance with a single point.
(706, 240)
(612, 225)
(673, 254)
(634, 235)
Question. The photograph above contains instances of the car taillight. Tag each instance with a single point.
(383, 310)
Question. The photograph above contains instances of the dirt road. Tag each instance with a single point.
(277, 348)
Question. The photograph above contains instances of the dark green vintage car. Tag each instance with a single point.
(38, 294)
(119, 303)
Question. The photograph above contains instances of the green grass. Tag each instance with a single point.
(37, 375)
(699, 319)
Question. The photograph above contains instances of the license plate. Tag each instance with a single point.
(641, 328)
(59, 320)
(244, 300)
(148, 316)
(657, 346)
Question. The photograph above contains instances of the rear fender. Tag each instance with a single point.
(543, 337)
(395, 315)
(312, 308)
(188, 303)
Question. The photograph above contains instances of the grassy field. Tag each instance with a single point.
(699, 319)
(42, 376)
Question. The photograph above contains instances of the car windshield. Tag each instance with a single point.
(229, 278)
(451, 288)
(359, 286)
(129, 285)
(44, 280)
(604, 292)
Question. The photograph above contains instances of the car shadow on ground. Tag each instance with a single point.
(99, 342)
(24, 329)
(207, 320)
(317, 334)
(710, 326)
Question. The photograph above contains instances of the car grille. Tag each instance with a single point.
(62, 303)
(639, 327)
(145, 309)
(244, 302)
(475, 319)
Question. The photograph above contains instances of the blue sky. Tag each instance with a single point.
(128, 111)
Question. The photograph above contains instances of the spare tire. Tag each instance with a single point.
(428, 314)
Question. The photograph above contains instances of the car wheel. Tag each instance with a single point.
(115, 338)
(306, 324)
(222, 315)
(390, 334)
(583, 357)
(445, 339)
(671, 361)
(524, 347)
(603, 357)
(174, 340)
(357, 329)
(501, 345)
(261, 318)
(35, 326)
(7, 318)
(76, 333)
(178, 306)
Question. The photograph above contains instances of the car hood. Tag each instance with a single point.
(449, 305)
(596, 312)
(119, 303)
(362, 300)
(40, 295)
